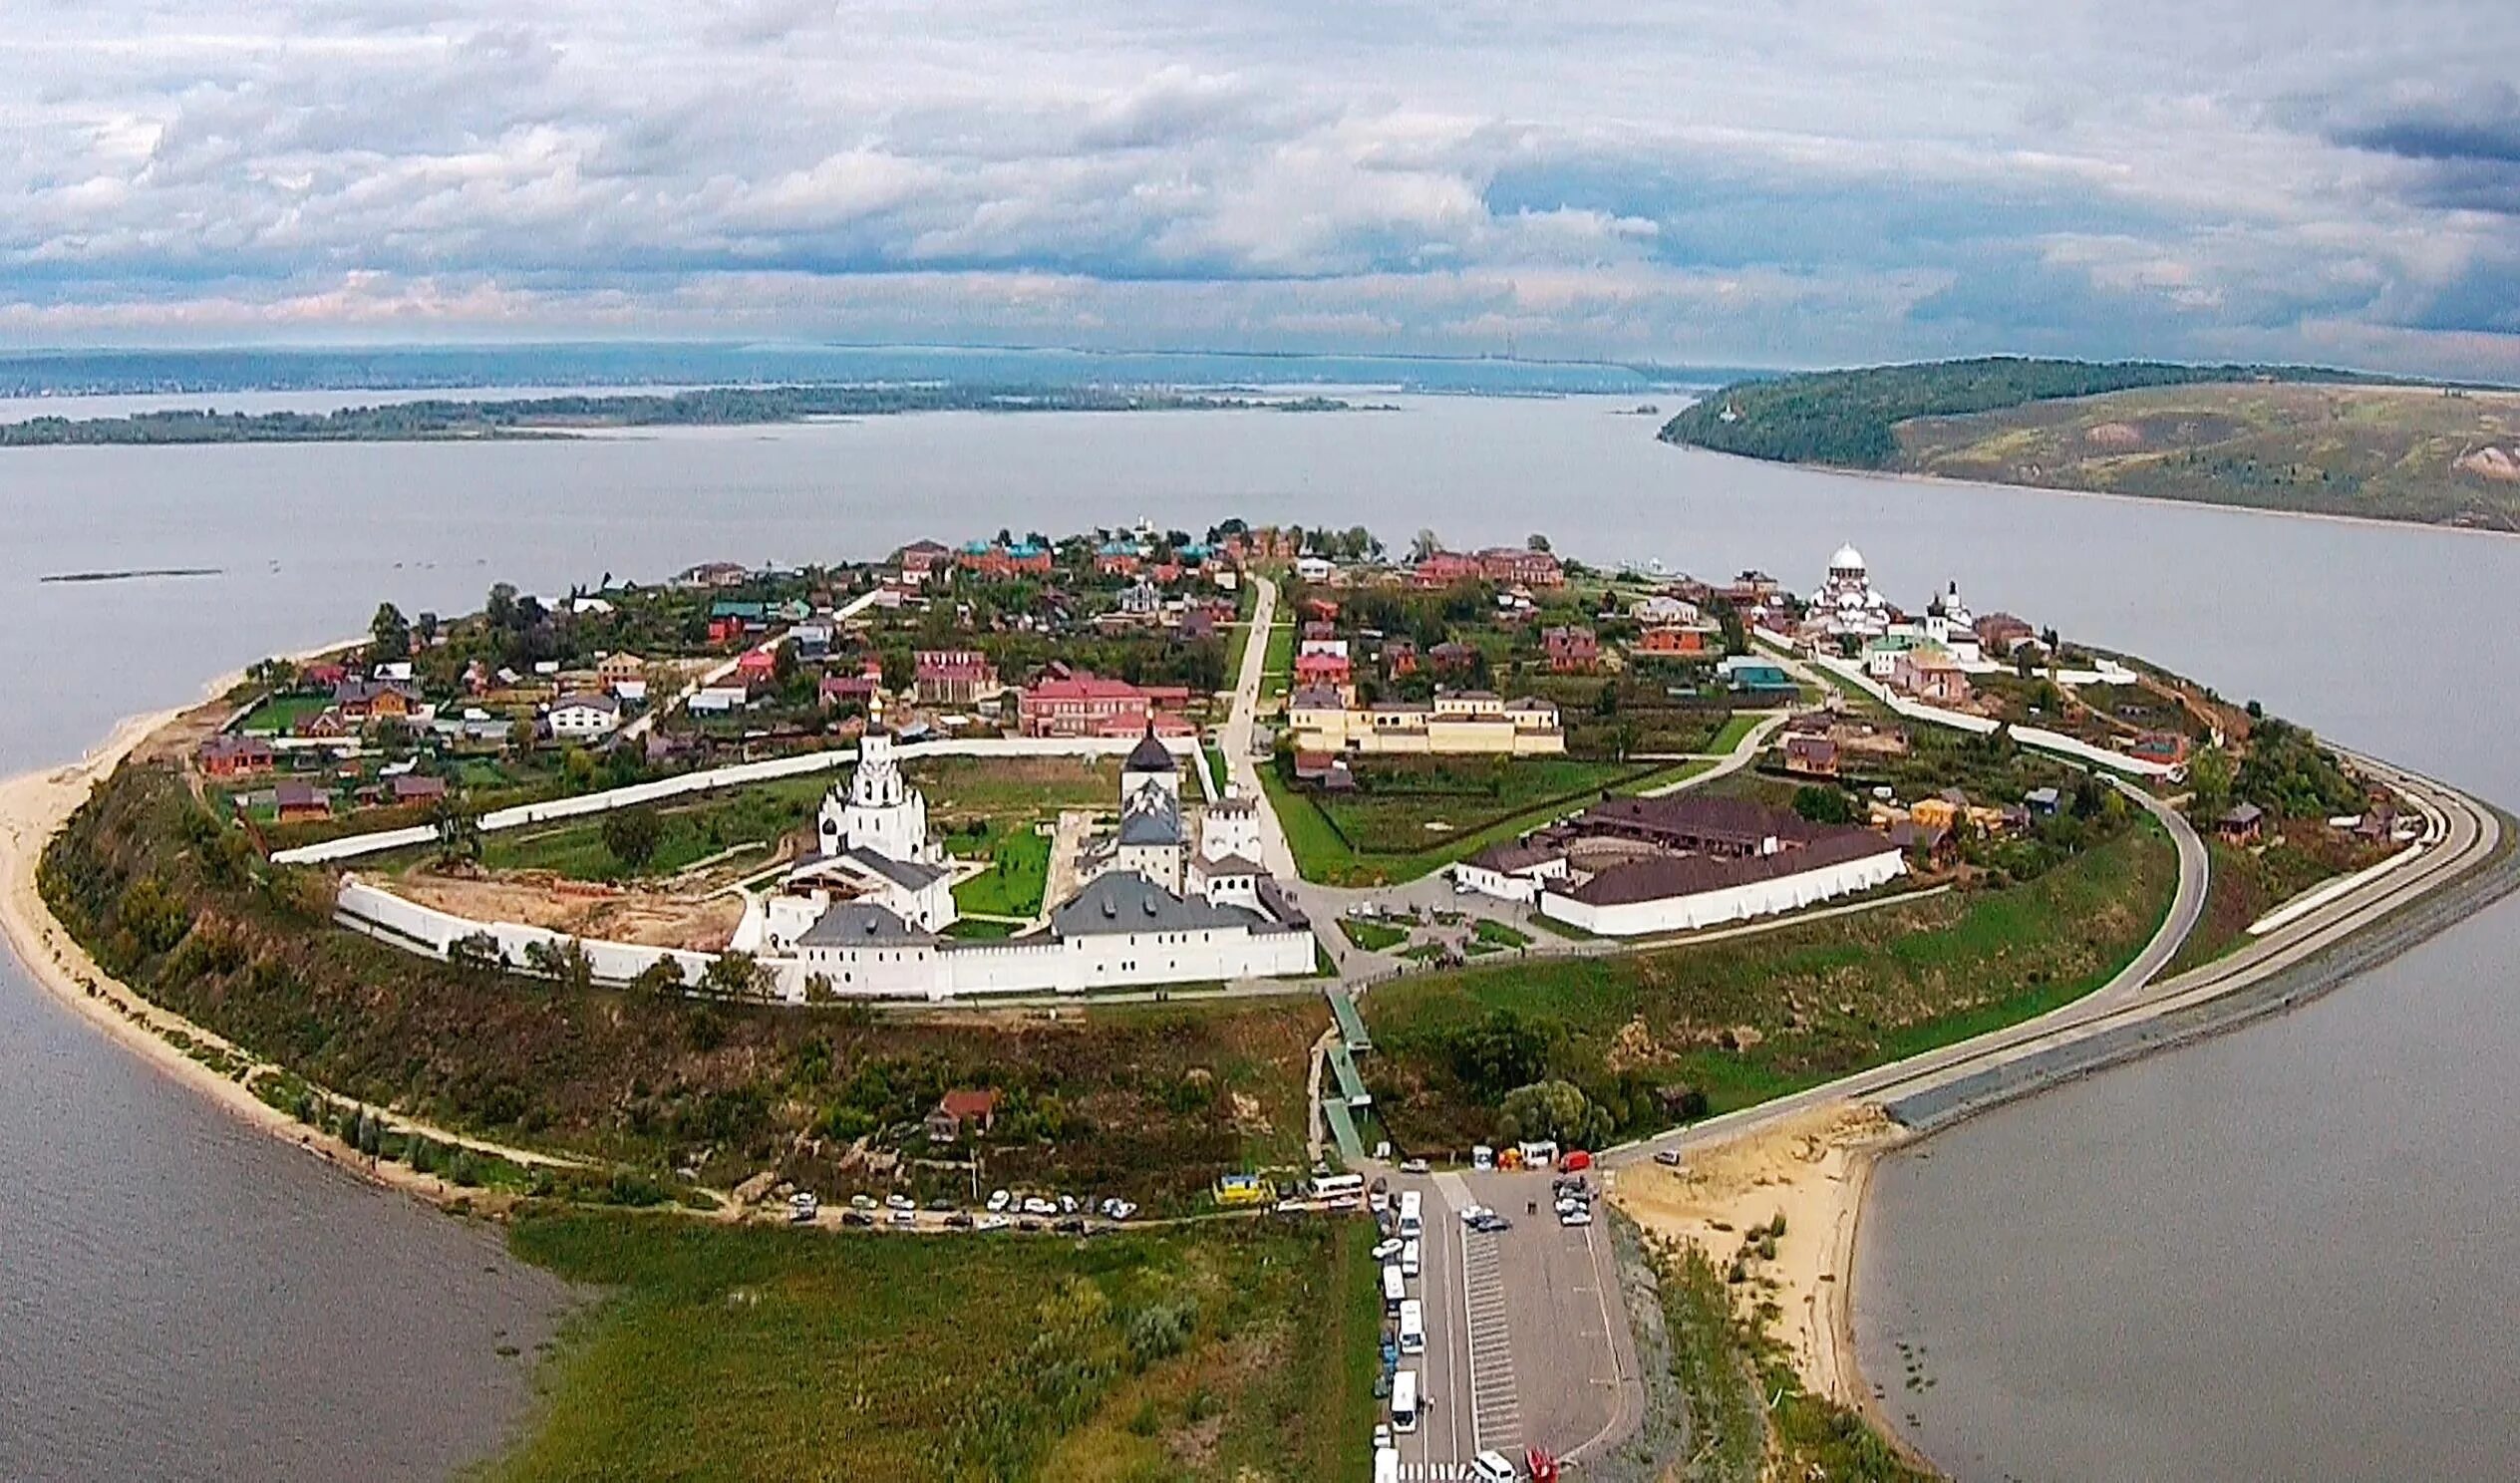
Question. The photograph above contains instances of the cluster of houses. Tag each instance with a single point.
(1634, 867)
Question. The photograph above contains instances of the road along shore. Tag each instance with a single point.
(1810, 1157)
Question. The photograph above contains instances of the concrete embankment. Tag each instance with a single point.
(1952, 1101)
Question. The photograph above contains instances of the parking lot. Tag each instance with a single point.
(1526, 1345)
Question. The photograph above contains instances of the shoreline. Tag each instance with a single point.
(34, 806)
(1947, 481)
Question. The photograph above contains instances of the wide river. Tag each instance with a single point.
(2292, 1252)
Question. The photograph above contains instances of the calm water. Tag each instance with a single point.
(2287, 1253)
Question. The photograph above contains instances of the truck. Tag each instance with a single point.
(1405, 1401)
(1412, 1208)
(1412, 1326)
(1395, 1289)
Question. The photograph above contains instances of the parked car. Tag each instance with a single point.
(1668, 1158)
(1067, 1204)
(940, 1206)
(1471, 1215)
(1118, 1209)
(1386, 1250)
(992, 1223)
(1580, 1215)
(998, 1200)
(861, 1202)
(856, 1218)
(803, 1206)
(1028, 1224)
(905, 1219)
(1413, 1166)
(1036, 1205)
(899, 1203)
(1071, 1226)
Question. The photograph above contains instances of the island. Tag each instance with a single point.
(438, 419)
(2303, 440)
(1144, 1003)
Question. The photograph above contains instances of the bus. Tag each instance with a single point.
(1392, 1291)
(1412, 1203)
(1412, 1326)
(1405, 1401)
(1338, 1186)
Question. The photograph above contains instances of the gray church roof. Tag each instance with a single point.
(909, 875)
(1125, 901)
(1152, 817)
(861, 924)
(1150, 755)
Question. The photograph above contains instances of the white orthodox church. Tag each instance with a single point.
(1846, 606)
(871, 848)
(1949, 623)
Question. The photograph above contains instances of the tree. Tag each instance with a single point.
(458, 830)
(500, 611)
(520, 736)
(1554, 1111)
(1424, 544)
(734, 975)
(631, 836)
(2209, 776)
(390, 637)
(1823, 806)
(658, 978)
(425, 628)
(819, 990)
(1535, 541)
(1500, 1052)
(476, 951)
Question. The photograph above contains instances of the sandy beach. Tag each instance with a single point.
(33, 808)
(1812, 1171)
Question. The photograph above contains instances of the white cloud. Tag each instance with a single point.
(1802, 182)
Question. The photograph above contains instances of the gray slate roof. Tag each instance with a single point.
(909, 875)
(860, 924)
(1125, 901)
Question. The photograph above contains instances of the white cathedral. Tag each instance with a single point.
(872, 847)
(1847, 606)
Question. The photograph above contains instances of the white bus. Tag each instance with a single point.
(1411, 1221)
(1392, 1291)
(1409, 1258)
(1338, 1186)
(1412, 1326)
(1405, 1401)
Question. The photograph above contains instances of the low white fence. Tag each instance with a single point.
(2040, 737)
(354, 846)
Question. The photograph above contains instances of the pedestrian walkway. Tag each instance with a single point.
(1351, 1084)
(1496, 1406)
(1343, 1132)
(1435, 1472)
(1350, 1023)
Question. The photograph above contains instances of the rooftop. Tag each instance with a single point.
(852, 924)
(1125, 901)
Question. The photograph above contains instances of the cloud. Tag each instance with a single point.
(1675, 181)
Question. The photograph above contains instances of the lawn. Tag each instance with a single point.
(1277, 661)
(1734, 730)
(694, 829)
(1367, 839)
(1727, 1025)
(1013, 884)
(278, 713)
(1231, 1350)
(1489, 930)
(1372, 936)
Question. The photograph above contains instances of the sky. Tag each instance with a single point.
(1788, 184)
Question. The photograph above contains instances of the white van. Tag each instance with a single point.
(1405, 1401)
(1411, 1207)
(1409, 1258)
(1491, 1467)
(1386, 1466)
(1393, 1289)
(1412, 1326)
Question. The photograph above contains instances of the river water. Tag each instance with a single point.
(2288, 1252)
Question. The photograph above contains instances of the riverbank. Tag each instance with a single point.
(33, 809)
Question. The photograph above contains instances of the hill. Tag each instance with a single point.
(2285, 437)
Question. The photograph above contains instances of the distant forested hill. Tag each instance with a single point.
(1846, 418)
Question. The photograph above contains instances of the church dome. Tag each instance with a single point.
(1848, 559)
(1150, 755)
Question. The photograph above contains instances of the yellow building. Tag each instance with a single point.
(1468, 722)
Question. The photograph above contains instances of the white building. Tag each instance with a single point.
(1682, 893)
(1949, 623)
(1229, 828)
(1150, 839)
(880, 811)
(1846, 604)
(1512, 872)
(582, 717)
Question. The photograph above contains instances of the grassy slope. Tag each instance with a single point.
(1798, 1007)
(764, 1352)
(2389, 453)
(1150, 1100)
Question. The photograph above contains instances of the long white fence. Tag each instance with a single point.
(355, 846)
(2040, 737)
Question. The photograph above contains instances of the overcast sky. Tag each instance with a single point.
(1817, 181)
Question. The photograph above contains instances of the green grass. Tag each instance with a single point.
(1489, 930)
(1743, 1020)
(280, 713)
(693, 830)
(1736, 729)
(1017, 874)
(1379, 842)
(759, 1352)
(1371, 936)
(1215, 757)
